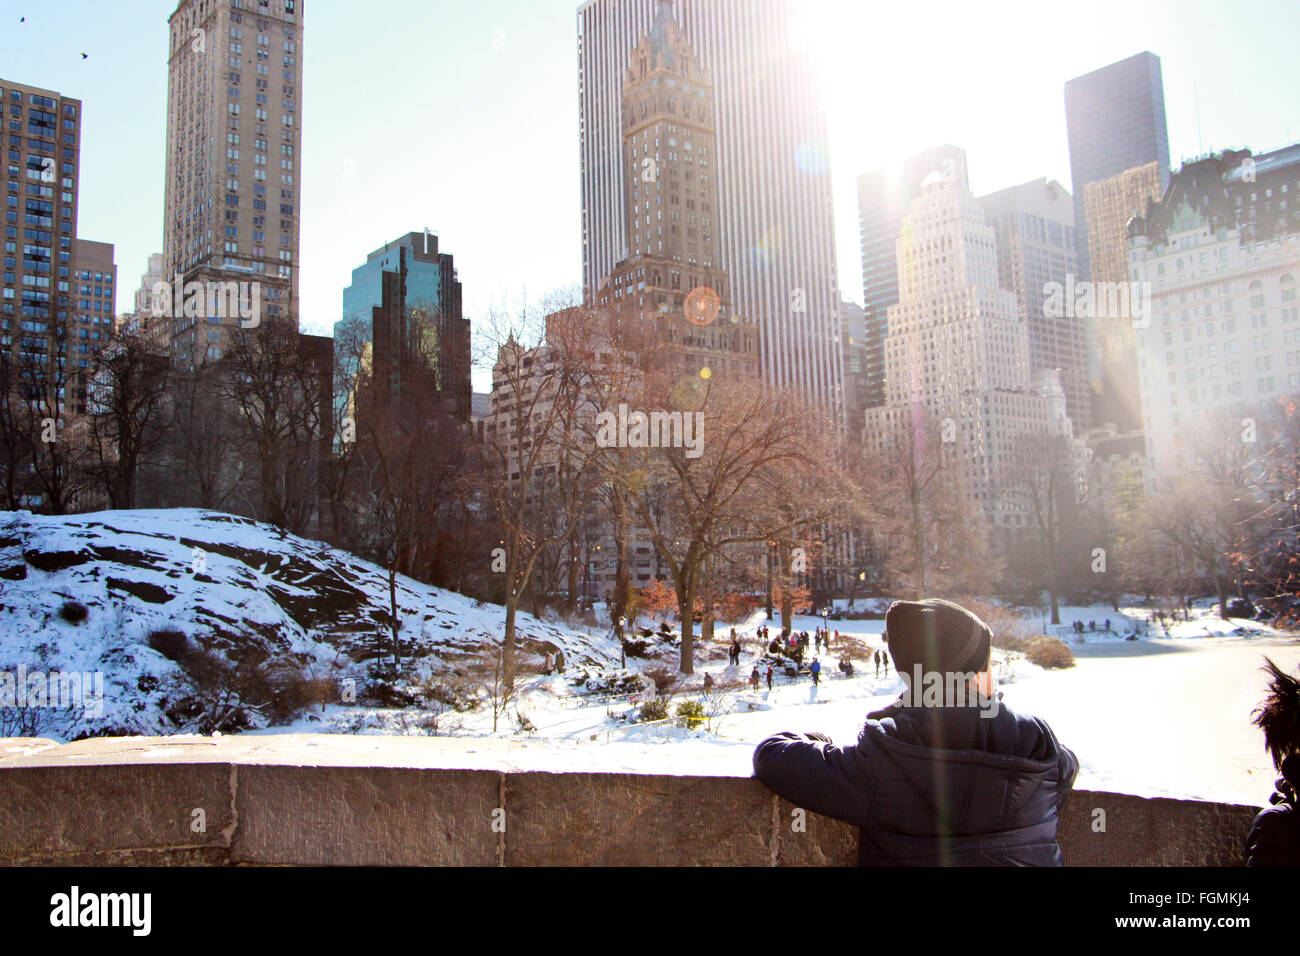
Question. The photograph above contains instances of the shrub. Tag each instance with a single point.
(1011, 631)
(219, 694)
(171, 644)
(74, 612)
(665, 678)
(656, 709)
(693, 713)
(442, 695)
(1050, 653)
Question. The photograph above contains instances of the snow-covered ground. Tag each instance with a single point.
(1154, 717)
(246, 590)
(1161, 715)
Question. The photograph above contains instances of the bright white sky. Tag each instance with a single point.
(463, 117)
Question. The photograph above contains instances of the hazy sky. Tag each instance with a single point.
(463, 117)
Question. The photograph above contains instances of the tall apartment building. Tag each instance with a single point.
(884, 196)
(1115, 118)
(231, 210)
(1033, 225)
(672, 281)
(39, 314)
(853, 324)
(775, 229)
(403, 323)
(958, 348)
(1109, 204)
(94, 312)
(153, 275)
(141, 319)
(1221, 250)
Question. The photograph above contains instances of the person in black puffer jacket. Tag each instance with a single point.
(945, 776)
(1274, 838)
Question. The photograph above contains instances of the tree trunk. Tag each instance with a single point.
(706, 612)
(686, 610)
(508, 649)
(769, 584)
(392, 610)
(571, 601)
(623, 570)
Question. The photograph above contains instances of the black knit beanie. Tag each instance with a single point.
(941, 636)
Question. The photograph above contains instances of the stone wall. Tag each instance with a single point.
(325, 800)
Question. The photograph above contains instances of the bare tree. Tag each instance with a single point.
(1205, 507)
(276, 398)
(936, 539)
(537, 389)
(1042, 481)
(128, 412)
(718, 496)
(199, 451)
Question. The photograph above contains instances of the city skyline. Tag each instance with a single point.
(488, 53)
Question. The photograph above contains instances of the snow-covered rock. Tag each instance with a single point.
(246, 590)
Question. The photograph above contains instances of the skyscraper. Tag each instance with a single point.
(1115, 119)
(1221, 252)
(775, 231)
(853, 341)
(883, 199)
(233, 160)
(1112, 361)
(94, 312)
(42, 142)
(672, 281)
(1033, 225)
(958, 350)
(403, 324)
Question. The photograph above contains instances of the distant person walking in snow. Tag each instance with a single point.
(816, 671)
(769, 677)
(559, 661)
(753, 679)
(1274, 838)
(550, 663)
(708, 683)
(877, 663)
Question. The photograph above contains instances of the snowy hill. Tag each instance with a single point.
(231, 585)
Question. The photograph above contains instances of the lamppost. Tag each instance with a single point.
(622, 645)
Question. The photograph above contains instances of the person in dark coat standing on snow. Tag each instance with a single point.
(816, 671)
(769, 676)
(951, 778)
(1274, 838)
